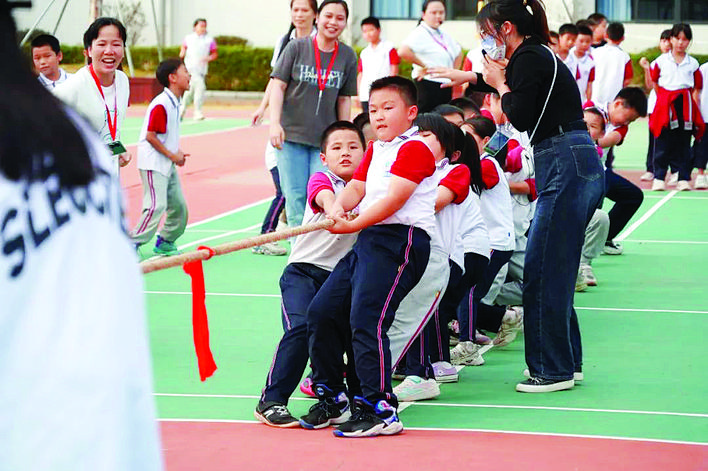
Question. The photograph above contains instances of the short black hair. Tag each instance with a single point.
(46, 40)
(684, 28)
(405, 88)
(483, 127)
(340, 126)
(615, 31)
(568, 28)
(92, 32)
(371, 20)
(198, 20)
(597, 17)
(447, 109)
(635, 98)
(553, 34)
(361, 120)
(465, 103)
(666, 34)
(167, 68)
(443, 130)
(584, 30)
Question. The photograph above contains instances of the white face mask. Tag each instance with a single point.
(494, 51)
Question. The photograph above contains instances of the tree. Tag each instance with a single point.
(131, 15)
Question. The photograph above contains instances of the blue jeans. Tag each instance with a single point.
(270, 221)
(570, 183)
(296, 164)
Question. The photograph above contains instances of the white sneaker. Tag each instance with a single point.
(683, 186)
(466, 353)
(445, 373)
(647, 177)
(588, 274)
(701, 182)
(613, 248)
(673, 179)
(415, 388)
(511, 325)
(658, 185)
(270, 248)
(580, 283)
(577, 376)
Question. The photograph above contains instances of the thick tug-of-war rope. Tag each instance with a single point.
(192, 263)
(222, 249)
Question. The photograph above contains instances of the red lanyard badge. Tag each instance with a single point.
(112, 127)
(322, 81)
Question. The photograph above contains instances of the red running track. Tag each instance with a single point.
(231, 446)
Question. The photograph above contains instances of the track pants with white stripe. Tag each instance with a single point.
(360, 298)
(161, 195)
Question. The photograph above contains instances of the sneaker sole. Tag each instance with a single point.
(448, 378)
(263, 420)
(382, 429)
(419, 395)
(559, 386)
(468, 361)
(578, 376)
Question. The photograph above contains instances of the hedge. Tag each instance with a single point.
(245, 68)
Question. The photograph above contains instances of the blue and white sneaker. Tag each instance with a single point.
(330, 409)
(369, 420)
(165, 247)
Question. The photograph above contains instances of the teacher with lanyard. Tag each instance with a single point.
(311, 87)
(539, 96)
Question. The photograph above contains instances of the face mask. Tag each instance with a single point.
(494, 51)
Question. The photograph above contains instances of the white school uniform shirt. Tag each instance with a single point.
(497, 211)
(434, 47)
(673, 76)
(148, 157)
(199, 47)
(474, 60)
(321, 248)
(375, 63)
(612, 67)
(81, 93)
(704, 92)
(474, 234)
(51, 84)
(74, 353)
(448, 220)
(585, 72)
(376, 171)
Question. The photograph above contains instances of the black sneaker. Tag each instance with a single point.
(540, 385)
(275, 414)
(369, 420)
(329, 410)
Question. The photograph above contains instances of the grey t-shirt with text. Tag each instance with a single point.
(296, 67)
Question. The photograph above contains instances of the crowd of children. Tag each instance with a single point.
(431, 210)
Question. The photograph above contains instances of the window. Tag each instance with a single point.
(411, 9)
(665, 11)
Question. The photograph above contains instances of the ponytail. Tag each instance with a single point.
(469, 156)
(529, 17)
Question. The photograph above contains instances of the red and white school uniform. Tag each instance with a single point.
(474, 60)
(676, 115)
(162, 191)
(374, 63)
(585, 72)
(612, 67)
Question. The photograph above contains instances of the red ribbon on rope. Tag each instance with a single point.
(200, 323)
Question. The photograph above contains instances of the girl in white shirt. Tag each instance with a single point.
(99, 91)
(428, 46)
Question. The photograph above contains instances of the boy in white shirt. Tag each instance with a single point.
(198, 49)
(378, 59)
(158, 156)
(613, 66)
(46, 55)
(585, 72)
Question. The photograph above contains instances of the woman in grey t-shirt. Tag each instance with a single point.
(312, 86)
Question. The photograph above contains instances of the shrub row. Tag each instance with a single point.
(245, 68)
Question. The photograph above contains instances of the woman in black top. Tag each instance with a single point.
(569, 180)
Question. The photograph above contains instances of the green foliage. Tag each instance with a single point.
(230, 41)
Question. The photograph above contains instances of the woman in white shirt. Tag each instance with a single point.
(428, 46)
(99, 91)
(74, 353)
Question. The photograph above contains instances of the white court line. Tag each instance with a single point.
(477, 406)
(687, 242)
(682, 197)
(205, 133)
(669, 311)
(476, 430)
(228, 213)
(483, 350)
(645, 216)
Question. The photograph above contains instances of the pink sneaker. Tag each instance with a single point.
(306, 387)
(481, 339)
